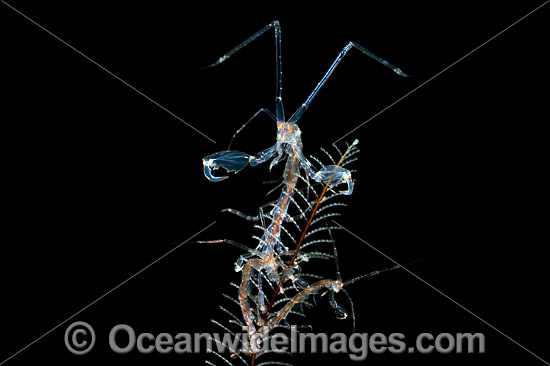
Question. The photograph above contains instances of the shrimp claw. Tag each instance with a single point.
(231, 161)
(333, 175)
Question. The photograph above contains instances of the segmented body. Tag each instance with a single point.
(268, 259)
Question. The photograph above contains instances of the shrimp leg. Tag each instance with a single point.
(278, 62)
(296, 116)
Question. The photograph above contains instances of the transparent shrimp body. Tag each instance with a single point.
(266, 260)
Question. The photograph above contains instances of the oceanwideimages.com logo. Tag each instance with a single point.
(80, 339)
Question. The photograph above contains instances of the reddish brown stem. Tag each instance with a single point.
(291, 263)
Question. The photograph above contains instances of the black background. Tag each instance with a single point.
(99, 182)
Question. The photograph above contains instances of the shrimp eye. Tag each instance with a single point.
(278, 125)
(290, 129)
